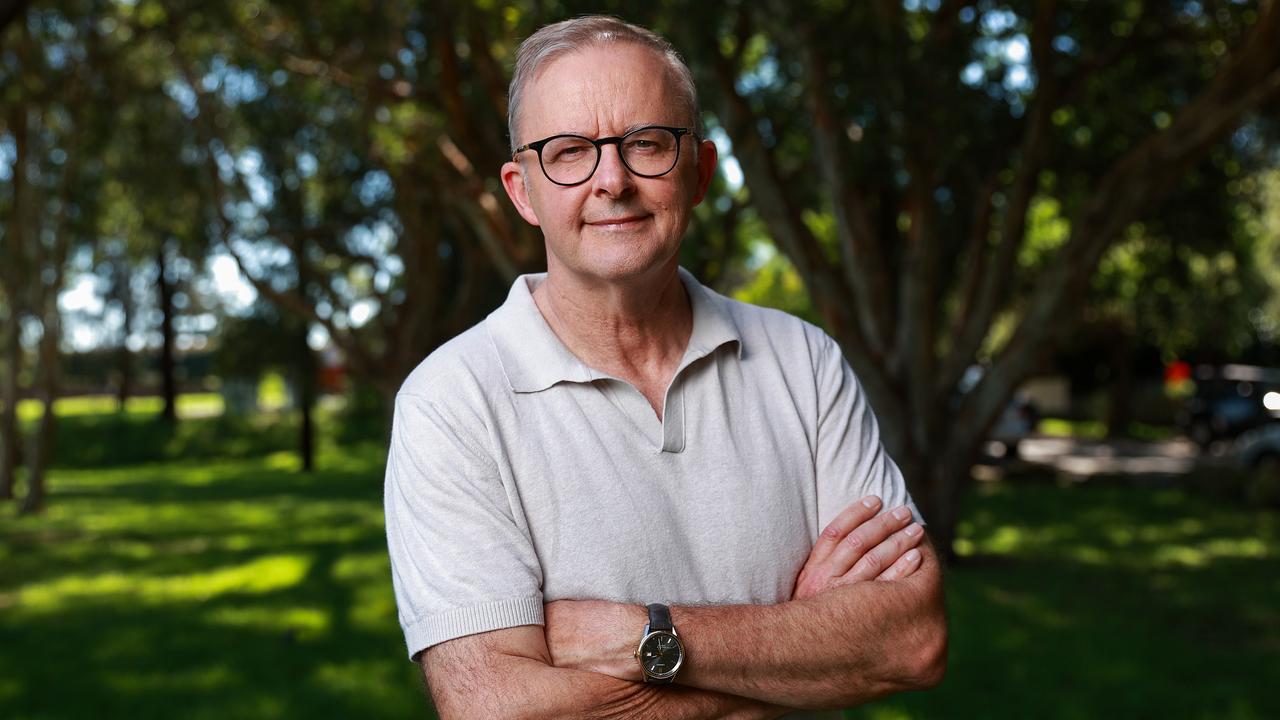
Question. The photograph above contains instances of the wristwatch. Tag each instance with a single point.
(660, 652)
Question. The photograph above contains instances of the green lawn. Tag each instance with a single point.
(189, 405)
(217, 587)
(1110, 601)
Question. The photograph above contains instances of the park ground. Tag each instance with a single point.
(195, 572)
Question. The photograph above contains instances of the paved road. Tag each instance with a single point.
(1078, 458)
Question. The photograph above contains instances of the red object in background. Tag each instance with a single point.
(332, 378)
(1176, 372)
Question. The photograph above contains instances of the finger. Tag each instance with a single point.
(880, 557)
(907, 564)
(865, 537)
(848, 519)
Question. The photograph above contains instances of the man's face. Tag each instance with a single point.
(616, 226)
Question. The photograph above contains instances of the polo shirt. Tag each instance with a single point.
(518, 475)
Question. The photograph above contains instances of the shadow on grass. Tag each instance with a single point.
(112, 440)
(304, 651)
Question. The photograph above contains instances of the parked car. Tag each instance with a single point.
(1230, 400)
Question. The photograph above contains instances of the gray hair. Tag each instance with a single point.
(569, 36)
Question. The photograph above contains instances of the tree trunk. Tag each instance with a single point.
(169, 386)
(1120, 402)
(10, 438)
(306, 371)
(42, 447)
(306, 398)
(13, 275)
(939, 472)
(124, 359)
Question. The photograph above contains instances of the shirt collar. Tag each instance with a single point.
(534, 359)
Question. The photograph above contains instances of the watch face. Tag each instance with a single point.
(661, 654)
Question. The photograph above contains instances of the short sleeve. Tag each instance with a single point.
(850, 461)
(460, 562)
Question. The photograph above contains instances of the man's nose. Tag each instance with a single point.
(612, 176)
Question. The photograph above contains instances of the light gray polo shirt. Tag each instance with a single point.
(517, 475)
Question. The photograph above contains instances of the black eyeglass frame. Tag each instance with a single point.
(599, 143)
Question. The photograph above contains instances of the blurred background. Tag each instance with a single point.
(1046, 234)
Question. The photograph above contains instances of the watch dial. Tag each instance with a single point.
(660, 654)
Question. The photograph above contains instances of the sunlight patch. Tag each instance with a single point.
(298, 622)
(283, 460)
(260, 576)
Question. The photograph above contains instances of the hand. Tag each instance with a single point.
(860, 545)
(595, 635)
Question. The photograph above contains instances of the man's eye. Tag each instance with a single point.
(568, 153)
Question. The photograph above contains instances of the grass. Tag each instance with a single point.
(232, 586)
(1096, 429)
(1107, 601)
(240, 588)
(189, 405)
(272, 395)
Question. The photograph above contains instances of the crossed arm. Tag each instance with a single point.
(842, 640)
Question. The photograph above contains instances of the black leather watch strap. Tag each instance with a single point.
(660, 617)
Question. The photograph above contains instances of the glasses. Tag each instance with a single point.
(651, 151)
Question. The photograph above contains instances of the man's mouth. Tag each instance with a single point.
(622, 222)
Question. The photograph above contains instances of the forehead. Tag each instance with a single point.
(603, 89)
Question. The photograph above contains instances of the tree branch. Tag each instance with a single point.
(781, 216)
(998, 269)
(862, 264)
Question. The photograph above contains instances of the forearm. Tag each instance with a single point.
(498, 684)
(840, 648)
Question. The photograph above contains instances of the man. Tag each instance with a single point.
(616, 436)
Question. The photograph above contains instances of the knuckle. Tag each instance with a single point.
(831, 533)
(872, 562)
(853, 541)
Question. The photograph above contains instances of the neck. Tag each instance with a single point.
(637, 328)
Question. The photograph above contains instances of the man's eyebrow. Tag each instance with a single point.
(637, 126)
(629, 128)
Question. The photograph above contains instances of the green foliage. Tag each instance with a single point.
(1181, 298)
(1263, 222)
(101, 441)
(1047, 231)
(91, 433)
(259, 341)
(364, 417)
(776, 284)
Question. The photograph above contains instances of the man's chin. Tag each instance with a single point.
(625, 270)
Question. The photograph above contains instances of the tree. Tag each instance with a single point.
(894, 151)
(52, 129)
(363, 171)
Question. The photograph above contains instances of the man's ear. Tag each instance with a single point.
(707, 158)
(513, 181)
